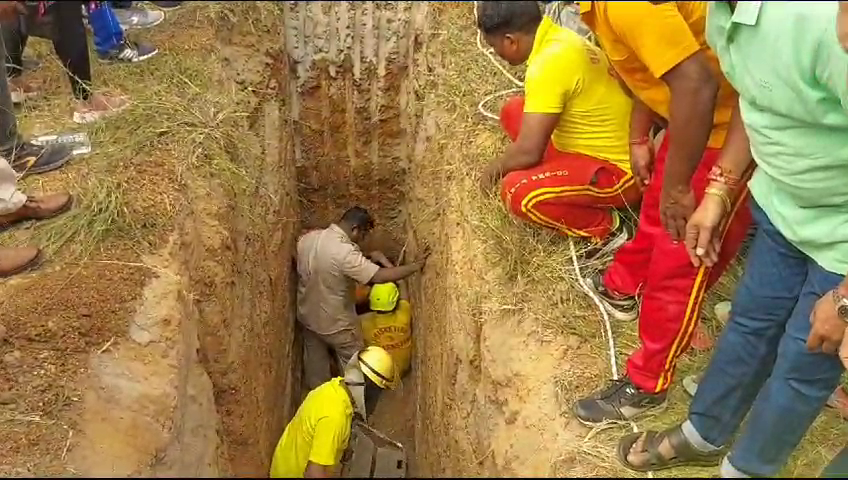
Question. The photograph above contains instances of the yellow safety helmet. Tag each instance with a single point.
(383, 297)
(376, 364)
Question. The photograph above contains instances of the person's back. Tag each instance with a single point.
(595, 119)
(391, 331)
(318, 433)
(329, 264)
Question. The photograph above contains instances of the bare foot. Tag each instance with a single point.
(701, 340)
(21, 90)
(99, 106)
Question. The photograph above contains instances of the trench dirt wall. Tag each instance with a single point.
(355, 107)
(238, 241)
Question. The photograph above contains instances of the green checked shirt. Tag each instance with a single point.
(792, 77)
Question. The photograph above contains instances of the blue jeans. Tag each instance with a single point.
(108, 34)
(761, 364)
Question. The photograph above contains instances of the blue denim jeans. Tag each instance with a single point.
(108, 34)
(761, 366)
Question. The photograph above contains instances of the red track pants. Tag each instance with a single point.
(672, 289)
(569, 192)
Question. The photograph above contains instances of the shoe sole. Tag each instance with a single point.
(35, 262)
(586, 423)
(67, 206)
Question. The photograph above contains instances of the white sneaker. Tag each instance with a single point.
(131, 18)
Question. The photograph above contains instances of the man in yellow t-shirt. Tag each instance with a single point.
(568, 166)
(388, 324)
(313, 442)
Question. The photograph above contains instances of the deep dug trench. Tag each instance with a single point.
(344, 114)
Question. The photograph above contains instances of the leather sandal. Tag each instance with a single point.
(685, 454)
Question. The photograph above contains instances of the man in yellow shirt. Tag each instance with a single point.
(568, 166)
(659, 51)
(388, 324)
(314, 441)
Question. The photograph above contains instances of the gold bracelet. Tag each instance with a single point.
(720, 194)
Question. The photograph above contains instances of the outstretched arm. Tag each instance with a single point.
(395, 274)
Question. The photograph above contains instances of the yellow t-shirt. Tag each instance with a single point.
(644, 41)
(567, 75)
(392, 331)
(318, 433)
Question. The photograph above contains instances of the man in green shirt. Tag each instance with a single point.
(776, 362)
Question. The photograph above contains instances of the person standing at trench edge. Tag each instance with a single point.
(775, 365)
(329, 264)
(568, 166)
(659, 51)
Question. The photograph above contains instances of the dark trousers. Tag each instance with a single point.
(63, 24)
(8, 123)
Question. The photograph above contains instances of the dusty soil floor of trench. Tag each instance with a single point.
(78, 306)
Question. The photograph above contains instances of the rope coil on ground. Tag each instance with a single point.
(580, 280)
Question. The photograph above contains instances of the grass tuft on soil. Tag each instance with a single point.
(532, 273)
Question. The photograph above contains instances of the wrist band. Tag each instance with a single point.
(641, 141)
(717, 192)
(717, 174)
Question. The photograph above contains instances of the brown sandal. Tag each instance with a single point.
(685, 453)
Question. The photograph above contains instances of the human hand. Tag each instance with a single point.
(381, 259)
(676, 206)
(703, 231)
(843, 351)
(642, 162)
(842, 25)
(490, 176)
(828, 330)
(422, 261)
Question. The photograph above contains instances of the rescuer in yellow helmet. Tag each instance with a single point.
(313, 442)
(388, 324)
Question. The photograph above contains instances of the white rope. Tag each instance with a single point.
(580, 280)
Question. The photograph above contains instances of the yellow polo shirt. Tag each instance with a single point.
(318, 433)
(393, 332)
(569, 76)
(644, 41)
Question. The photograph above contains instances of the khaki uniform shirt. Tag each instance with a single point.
(328, 265)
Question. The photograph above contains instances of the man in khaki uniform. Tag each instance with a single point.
(329, 264)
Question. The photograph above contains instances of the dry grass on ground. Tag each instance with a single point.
(128, 193)
(540, 281)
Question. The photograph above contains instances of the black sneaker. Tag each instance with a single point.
(620, 401)
(623, 308)
(28, 158)
(129, 52)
